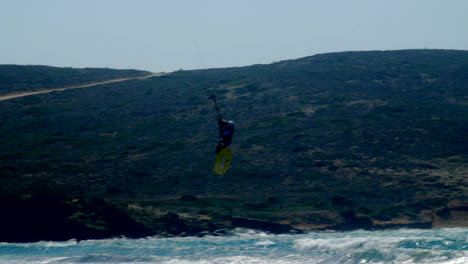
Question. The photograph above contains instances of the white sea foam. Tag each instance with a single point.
(448, 246)
(265, 243)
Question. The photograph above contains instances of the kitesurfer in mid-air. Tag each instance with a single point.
(226, 128)
(226, 132)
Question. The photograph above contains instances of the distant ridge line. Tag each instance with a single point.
(23, 94)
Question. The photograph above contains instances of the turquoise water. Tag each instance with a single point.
(246, 246)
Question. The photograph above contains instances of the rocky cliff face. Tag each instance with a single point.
(49, 216)
(46, 216)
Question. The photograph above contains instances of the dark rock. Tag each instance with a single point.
(49, 216)
(352, 222)
(416, 225)
(444, 213)
(261, 225)
(203, 233)
(173, 224)
(115, 221)
(220, 232)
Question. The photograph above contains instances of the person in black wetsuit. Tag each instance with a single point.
(226, 132)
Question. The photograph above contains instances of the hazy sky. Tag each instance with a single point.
(166, 35)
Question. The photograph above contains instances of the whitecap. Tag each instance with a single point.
(265, 243)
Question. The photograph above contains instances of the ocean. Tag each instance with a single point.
(248, 246)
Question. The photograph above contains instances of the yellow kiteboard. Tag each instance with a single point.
(222, 162)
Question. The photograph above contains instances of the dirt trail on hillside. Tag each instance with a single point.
(22, 94)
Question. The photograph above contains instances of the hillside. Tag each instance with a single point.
(20, 78)
(340, 140)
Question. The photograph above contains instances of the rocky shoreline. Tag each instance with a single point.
(56, 217)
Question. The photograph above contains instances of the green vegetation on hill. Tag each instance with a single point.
(327, 139)
(19, 78)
